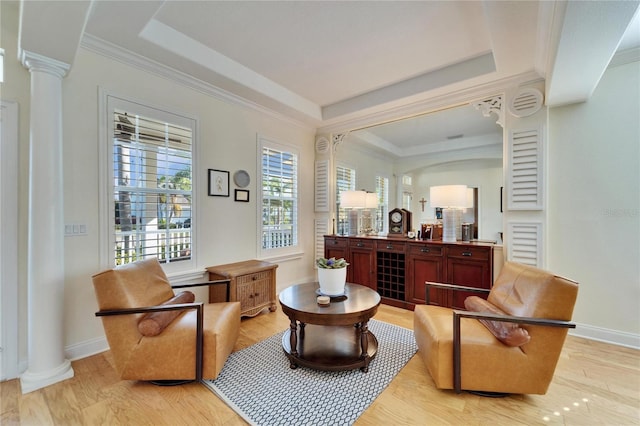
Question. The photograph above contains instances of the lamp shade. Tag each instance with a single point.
(371, 200)
(353, 199)
(448, 196)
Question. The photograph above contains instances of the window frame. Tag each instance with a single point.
(294, 250)
(108, 103)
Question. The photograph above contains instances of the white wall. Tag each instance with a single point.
(226, 230)
(594, 204)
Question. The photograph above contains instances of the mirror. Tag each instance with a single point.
(457, 145)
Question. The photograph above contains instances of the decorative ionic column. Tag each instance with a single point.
(45, 263)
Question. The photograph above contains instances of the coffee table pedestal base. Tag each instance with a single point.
(331, 348)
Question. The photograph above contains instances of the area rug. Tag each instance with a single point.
(259, 385)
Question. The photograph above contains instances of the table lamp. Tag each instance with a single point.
(452, 199)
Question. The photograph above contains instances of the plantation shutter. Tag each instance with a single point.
(279, 198)
(322, 186)
(152, 185)
(382, 189)
(525, 169)
(345, 181)
(526, 243)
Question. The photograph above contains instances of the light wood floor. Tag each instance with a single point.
(595, 384)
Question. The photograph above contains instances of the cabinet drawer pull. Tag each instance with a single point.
(425, 250)
(335, 241)
(389, 246)
(466, 253)
(253, 278)
(359, 245)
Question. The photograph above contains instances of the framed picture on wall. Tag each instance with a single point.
(241, 195)
(218, 183)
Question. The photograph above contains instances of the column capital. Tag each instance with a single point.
(36, 62)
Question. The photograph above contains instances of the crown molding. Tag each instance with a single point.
(452, 99)
(117, 53)
(624, 57)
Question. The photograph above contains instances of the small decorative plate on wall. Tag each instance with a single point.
(241, 178)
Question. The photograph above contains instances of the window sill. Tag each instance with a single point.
(283, 257)
(185, 276)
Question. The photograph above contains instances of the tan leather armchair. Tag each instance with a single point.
(192, 346)
(462, 354)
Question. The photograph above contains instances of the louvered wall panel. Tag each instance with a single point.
(322, 186)
(525, 170)
(526, 243)
(321, 229)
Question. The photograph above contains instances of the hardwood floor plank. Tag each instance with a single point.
(9, 407)
(34, 409)
(595, 383)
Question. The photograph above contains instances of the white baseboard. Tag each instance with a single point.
(86, 348)
(620, 338)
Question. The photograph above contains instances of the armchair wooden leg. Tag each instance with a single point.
(199, 341)
(457, 379)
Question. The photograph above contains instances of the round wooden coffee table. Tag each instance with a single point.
(334, 337)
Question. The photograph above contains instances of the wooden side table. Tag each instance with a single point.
(253, 284)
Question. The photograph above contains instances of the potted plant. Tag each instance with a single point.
(332, 275)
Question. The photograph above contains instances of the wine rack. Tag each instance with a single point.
(391, 275)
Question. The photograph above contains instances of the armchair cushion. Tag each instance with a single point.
(507, 332)
(153, 323)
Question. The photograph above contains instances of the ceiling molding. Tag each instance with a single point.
(109, 50)
(53, 29)
(625, 57)
(183, 46)
(461, 71)
(581, 54)
(446, 101)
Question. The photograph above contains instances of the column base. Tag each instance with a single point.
(30, 382)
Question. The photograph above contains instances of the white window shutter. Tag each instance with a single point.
(525, 170)
(321, 228)
(525, 245)
(322, 186)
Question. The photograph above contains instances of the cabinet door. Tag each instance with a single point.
(425, 263)
(362, 263)
(470, 267)
(261, 292)
(336, 247)
(253, 290)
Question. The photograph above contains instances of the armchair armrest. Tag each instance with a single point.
(457, 315)
(454, 287)
(198, 306)
(226, 282)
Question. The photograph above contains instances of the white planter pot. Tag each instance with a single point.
(332, 281)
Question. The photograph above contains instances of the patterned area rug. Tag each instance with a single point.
(259, 385)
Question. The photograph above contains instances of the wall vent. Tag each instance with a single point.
(322, 145)
(526, 102)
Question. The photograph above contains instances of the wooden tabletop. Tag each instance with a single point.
(299, 303)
